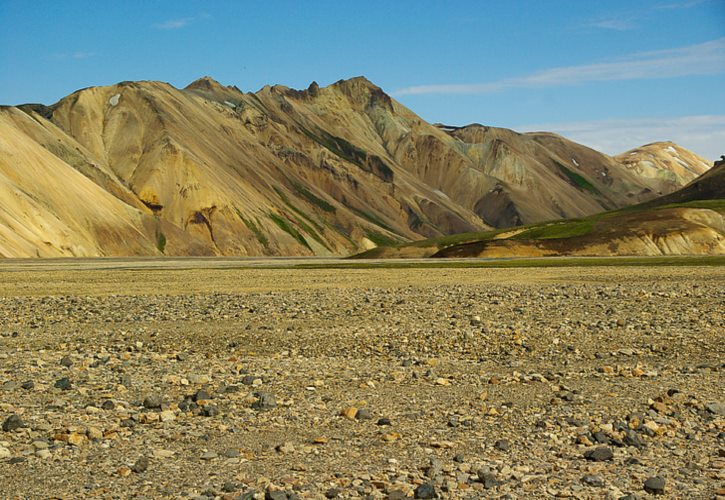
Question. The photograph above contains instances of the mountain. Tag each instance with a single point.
(143, 168)
(666, 162)
(690, 221)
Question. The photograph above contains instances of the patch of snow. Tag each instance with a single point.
(686, 165)
(671, 149)
(604, 174)
(573, 160)
(633, 153)
(113, 101)
(230, 104)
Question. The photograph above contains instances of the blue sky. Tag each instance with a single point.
(612, 74)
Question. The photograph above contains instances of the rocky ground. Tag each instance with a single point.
(425, 383)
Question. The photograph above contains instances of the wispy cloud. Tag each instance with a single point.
(77, 56)
(174, 24)
(615, 24)
(685, 4)
(183, 22)
(701, 59)
(703, 134)
(82, 55)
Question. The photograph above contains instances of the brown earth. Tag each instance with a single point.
(493, 382)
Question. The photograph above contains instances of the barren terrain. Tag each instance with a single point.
(326, 171)
(211, 378)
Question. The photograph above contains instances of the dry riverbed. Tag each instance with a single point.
(138, 382)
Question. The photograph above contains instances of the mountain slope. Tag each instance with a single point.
(327, 170)
(688, 221)
(38, 219)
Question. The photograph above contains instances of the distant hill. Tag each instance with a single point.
(690, 221)
(143, 168)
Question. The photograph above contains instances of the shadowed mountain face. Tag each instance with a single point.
(143, 168)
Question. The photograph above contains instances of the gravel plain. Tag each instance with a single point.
(205, 381)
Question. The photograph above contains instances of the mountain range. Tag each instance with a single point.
(144, 168)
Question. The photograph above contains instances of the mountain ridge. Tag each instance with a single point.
(212, 170)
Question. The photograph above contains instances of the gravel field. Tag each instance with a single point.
(128, 380)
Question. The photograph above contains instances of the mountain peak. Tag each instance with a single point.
(356, 82)
(205, 83)
(361, 90)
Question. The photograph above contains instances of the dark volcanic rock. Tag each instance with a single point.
(600, 454)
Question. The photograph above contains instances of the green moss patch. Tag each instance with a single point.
(285, 226)
(578, 180)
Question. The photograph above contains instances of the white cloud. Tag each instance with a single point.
(702, 59)
(685, 4)
(615, 24)
(174, 24)
(82, 55)
(79, 55)
(702, 134)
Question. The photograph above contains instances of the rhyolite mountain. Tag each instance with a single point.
(689, 221)
(144, 168)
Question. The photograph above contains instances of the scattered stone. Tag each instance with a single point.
(601, 437)
(76, 439)
(364, 414)
(594, 480)
(601, 454)
(349, 413)
(141, 465)
(231, 487)
(655, 485)
(201, 395)
(550, 402)
(716, 408)
(153, 402)
(275, 495)
(252, 380)
(285, 448)
(162, 454)
(167, 416)
(63, 384)
(210, 411)
(502, 445)
(12, 423)
(487, 478)
(265, 401)
(426, 490)
(94, 433)
(391, 436)
(198, 379)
